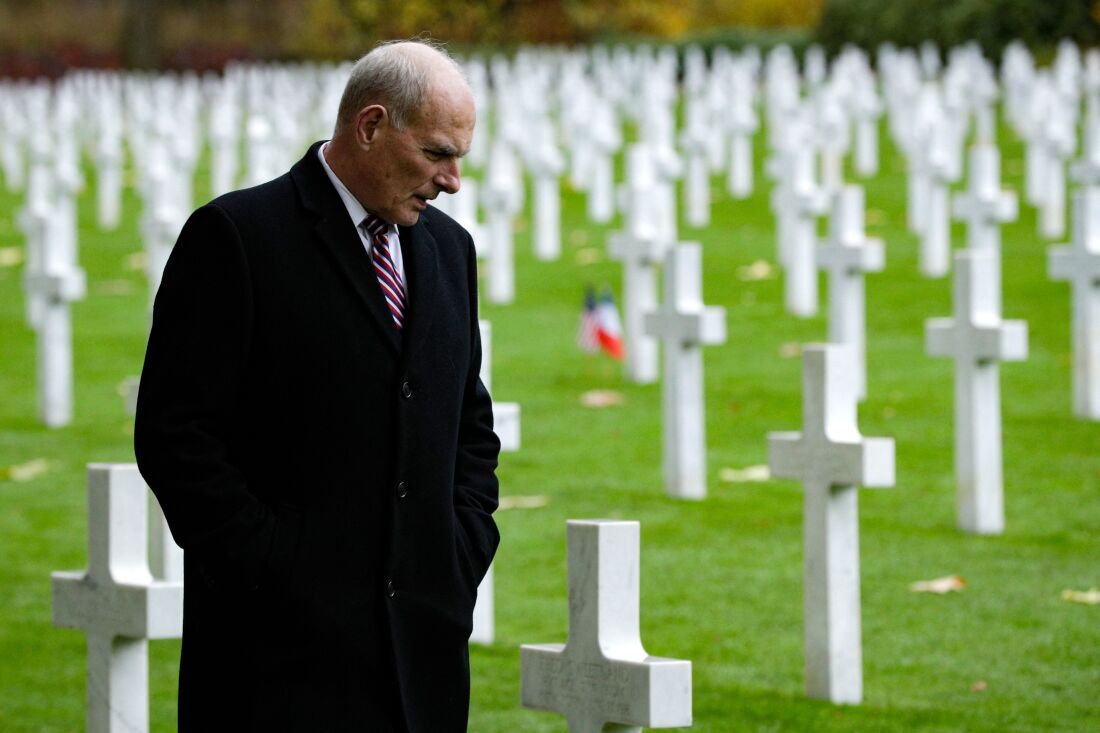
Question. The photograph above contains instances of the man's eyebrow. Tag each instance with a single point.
(447, 150)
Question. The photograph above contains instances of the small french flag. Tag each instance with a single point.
(600, 327)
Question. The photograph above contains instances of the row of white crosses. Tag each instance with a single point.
(832, 639)
(125, 598)
(977, 339)
(797, 201)
(603, 674)
(829, 455)
(1042, 105)
(592, 129)
(52, 277)
(809, 138)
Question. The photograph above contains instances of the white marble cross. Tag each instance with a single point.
(606, 139)
(506, 426)
(847, 255)
(1058, 137)
(742, 124)
(831, 459)
(797, 202)
(831, 138)
(52, 278)
(985, 206)
(868, 109)
(502, 200)
(546, 164)
(108, 153)
(116, 601)
(695, 141)
(1079, 263)
(922, 113)
(976, 338)
(603, 679)
(640, 247)
(15, 122)
(162, 216)
(1038, 97)
(942, 169)
(684, 325)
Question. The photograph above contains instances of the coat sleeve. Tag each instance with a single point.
(475, 481)
(188, 400)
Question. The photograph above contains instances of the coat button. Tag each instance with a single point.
(402, 490)
(406, 390)
(390, 590)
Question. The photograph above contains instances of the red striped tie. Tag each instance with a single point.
(384, 268)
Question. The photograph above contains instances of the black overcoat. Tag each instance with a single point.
(330, 479)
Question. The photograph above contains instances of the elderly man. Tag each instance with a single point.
(312, 422)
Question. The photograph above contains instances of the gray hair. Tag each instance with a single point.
(391, 76)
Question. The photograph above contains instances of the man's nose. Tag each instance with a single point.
(449, 177)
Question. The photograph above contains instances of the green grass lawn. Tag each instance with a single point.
(721, 579)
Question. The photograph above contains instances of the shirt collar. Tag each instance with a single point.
(355, 209)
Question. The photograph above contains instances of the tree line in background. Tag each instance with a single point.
(992, 23)
(46, 38)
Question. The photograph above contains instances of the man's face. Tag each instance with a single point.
(409, 167)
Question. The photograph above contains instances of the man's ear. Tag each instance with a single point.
(367, 123)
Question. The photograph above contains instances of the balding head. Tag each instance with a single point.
(401, 76)
(406, 120)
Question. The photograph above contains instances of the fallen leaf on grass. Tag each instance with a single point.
(939, 585)
(523, 502)
(578, 237)
(979, 686)
(876, 216)
(742, 475)
(112, 287)
(24, 471)
(790, 350)
(588, 256)
(1090, 597)
(135, 261)
(10, 256)
(758, 270)
(602, 398)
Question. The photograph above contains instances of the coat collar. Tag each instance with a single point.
(338, 236)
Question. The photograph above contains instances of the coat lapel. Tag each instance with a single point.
(418, 250)
(338, 237)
